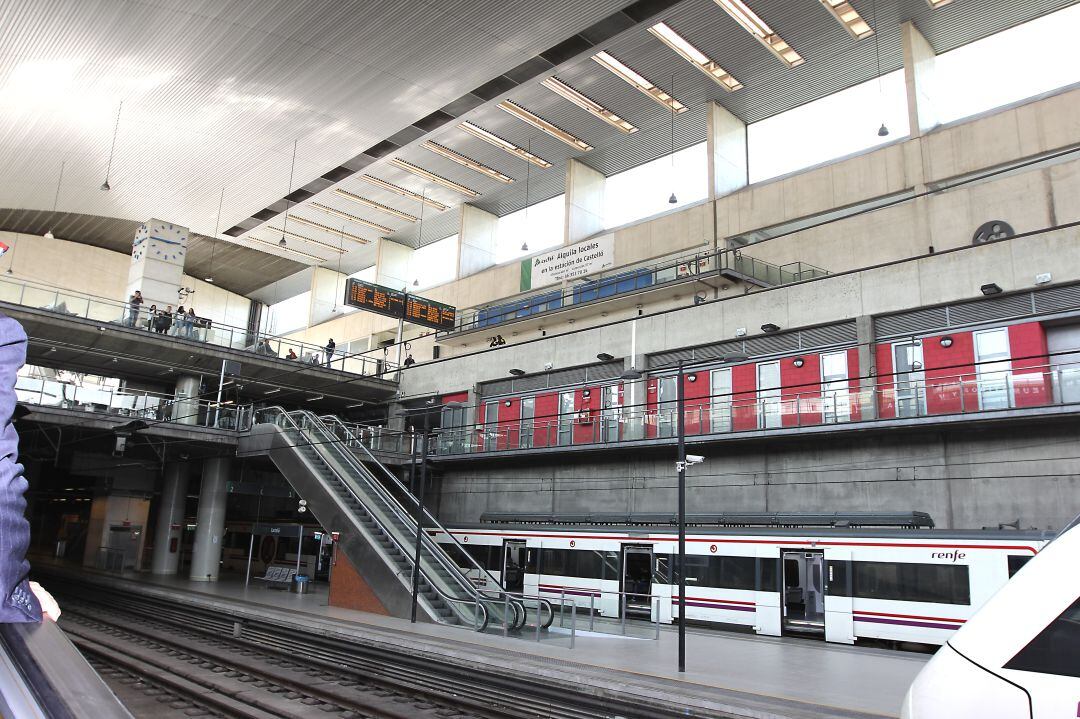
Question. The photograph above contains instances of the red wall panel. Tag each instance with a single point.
(545, 411)
(454, 397)
(1031, 382)
(696, 401)
(854, 373)
(509, 423)
(587, 415)
(744, 397)
(950, 374)
(884, 381)
(800, 391)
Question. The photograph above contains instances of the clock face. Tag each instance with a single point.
(162, 249)
(138, 248)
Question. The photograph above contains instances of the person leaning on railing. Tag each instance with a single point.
(20, 599)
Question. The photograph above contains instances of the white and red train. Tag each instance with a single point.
(842, 583)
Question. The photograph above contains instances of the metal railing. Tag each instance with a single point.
(150, 406)
(635, 278)
(199, 329)
(373, 437)
(901, 396)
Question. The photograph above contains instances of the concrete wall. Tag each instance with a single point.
(963, 478)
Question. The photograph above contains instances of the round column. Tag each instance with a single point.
(206, 557)
(170, 520)
(185, 409)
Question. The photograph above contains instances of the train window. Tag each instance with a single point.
(768, 571)
(553, 562)
(791, 573)
(611, 566)
(838, 583)
(665, 572)
(736, 573)
(911, 582)
(1016, 561)
(1056, 650)
(717, 572)
(587, 564)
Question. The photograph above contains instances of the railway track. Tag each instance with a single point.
(219, 666)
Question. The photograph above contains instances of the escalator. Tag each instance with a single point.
(377, 533)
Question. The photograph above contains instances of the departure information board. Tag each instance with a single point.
(394, 303)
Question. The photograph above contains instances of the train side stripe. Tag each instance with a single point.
(907, 616)
(905, 622)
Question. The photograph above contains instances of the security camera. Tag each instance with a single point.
(548, 365)
(694, 459)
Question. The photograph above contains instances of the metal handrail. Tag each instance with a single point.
(426, 515)
(405, 551)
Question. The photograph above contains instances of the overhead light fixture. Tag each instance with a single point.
(991, 289)
(354, 406)
(338, 231)
(946, 341)
(416, 282)
(272, 391)
(769, 327)
(759, 29)
(935, 4)
(391, 187)
(588, 104)
(466, 161)
(429, 175)
(493, 139)
(541, 124)
(524, 246)
(348, 217)
(605, 357)
(281, 245)
(849, 17)
(695, 56)
(617, 67)
(208, 280)
(517, 372)
(305, 238)
(673, 200)
(631, 374)
(735, 357)
(366, 203)
(314, 398)
(798, 362)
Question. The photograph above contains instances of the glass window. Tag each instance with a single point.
(553, 562)
(435, 263)
(840, 124)
(768, 377)
(289, 315)
(566, 417)
(992, 371)
(668, 403)
(911, 582)
(1016, 561)
(645, 190)
(528, 412)
(542, 229)
(834, 387)
(910, 388)
(717, 572)
(721, 400)
(1056, 650)
(1010, 66)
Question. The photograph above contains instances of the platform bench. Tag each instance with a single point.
(278, 577)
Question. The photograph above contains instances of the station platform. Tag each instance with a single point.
(743, 675)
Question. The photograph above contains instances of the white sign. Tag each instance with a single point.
(564, 263)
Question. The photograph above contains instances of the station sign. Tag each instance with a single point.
(399, 305)
(566, 263)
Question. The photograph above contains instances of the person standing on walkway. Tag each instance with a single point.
(330, 347)
(189, 323)
(134, 303)
(163, 321)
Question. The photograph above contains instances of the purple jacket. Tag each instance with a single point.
(17, 602)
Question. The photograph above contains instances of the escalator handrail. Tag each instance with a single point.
(407, 552)
(333, 419)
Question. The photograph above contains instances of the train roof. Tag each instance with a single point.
(811, 532)
(907, 520)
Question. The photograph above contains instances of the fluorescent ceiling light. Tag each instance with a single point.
(305, 238)
(437, 179)
(541, 124)
(759, 29)
(849, 17)
(373, 205)
(616, 66)
(586, 103)
(695, 57)
(935, 4)
(466, 161)
(490, 137)
(391, 187)
(337, 230)
(279, 248)
(349, 218)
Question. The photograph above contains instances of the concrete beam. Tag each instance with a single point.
(584, 202)
(393, 263)
(919, 78)
(726, 149)
(476, 240)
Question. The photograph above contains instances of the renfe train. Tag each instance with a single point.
(843, 582)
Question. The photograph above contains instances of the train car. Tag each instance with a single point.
(843, 583)
(1019, 657)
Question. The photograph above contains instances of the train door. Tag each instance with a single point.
(513, 565)
(637, 579)
(767, 583)
(839, 621)
(804, 593)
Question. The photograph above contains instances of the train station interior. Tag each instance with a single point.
(712, 358)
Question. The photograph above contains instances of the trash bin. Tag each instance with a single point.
(301, 584)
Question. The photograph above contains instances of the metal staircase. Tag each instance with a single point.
(378, 534)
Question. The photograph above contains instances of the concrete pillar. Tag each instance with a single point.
(726, 148)
(584, 202)
(392, 265)
(476, 240)
(210, 521)
(327, 297)
(868, 400)
(919, 77)
(157, 263)
(185, 409)
(170, 519)
(634, 399)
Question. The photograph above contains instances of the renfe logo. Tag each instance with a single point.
(953, 556)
